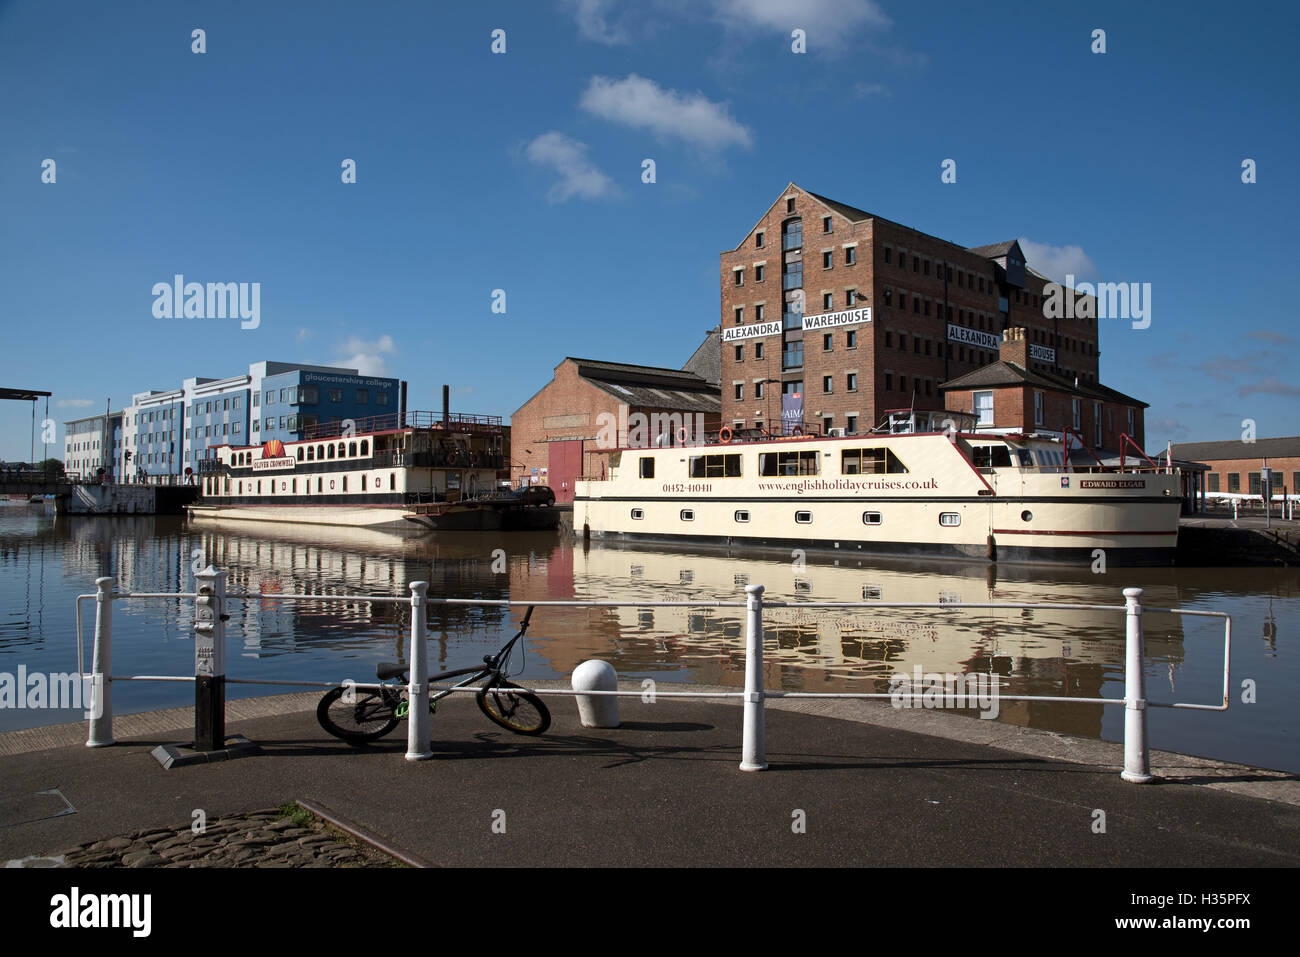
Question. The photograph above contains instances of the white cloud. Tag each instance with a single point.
(578, 175)
(593, 23)
(74, 403)
(366, 357)
(1057, 262)
(827, 22)
(304, 334)
(643, 104)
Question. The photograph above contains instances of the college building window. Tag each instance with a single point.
(363, 397)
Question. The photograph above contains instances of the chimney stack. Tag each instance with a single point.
(446, 406)
(1014, 347)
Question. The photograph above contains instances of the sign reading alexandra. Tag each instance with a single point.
(1042, 353)
(846, 318)
(985, 340)
(752, 331)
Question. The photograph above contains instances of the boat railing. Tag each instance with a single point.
(210, 614)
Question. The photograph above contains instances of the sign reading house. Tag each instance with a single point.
(985, 340)
(273, 458)
(1042, 353)
(826, 320)
(752, 331)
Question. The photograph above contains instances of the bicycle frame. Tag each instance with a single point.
(491, 667)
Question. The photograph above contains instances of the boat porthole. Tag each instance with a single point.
(1027, 516)
(331, 485)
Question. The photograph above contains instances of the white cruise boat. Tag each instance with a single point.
(925, 483)
(417, 471)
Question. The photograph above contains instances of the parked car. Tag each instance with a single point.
(537, 495)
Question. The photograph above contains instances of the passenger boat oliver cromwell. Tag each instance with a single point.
(924, 483)
(404, 470)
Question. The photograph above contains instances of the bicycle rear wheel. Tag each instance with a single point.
(369, 717)
(514, 709)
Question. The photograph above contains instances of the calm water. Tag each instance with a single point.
(45, 562)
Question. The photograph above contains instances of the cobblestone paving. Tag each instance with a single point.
(265, 838)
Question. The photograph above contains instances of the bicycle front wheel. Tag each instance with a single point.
(514, 709)
(367, 718)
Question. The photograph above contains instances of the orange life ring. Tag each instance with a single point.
(724, 439)
(683, 435)
(797, 430)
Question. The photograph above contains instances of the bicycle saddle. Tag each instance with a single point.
(390, 669)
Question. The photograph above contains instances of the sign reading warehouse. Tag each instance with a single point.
(826, 320)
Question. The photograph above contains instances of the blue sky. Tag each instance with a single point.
(521, 171)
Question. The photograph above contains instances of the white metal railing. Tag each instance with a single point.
(1136, 754)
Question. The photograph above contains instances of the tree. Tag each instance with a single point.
(51, 467)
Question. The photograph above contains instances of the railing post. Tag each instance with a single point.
(1137, 766)
(753, 755)
(101, 688)
(417, 692)
(210, 660)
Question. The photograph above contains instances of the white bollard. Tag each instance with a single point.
(101, 691)
(596, 711)
(417, 692)
(753, 751)
(1137, 766)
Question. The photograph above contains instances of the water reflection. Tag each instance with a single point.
(45, 562)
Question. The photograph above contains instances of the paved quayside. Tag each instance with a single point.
(849, 783)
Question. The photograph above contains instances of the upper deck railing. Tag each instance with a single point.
(391, 421)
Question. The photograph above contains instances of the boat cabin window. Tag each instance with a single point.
(788, 463)
(1024, 458)
(311, 453)
(870, 462)
(991, 457)
(742, 515)
(688, 515)
(647, 466)
(352, 448)
(343, 449)
(320, 452)
(714, 466)
(871, 518)
(299, 453)
(638, 513)
(365, 446)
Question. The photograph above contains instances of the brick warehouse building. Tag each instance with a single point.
(1235, 466)
(856, 315)
(1008, 396)
(557, 431)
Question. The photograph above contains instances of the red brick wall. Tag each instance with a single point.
(1013, 407)
(1284, 470)
(569, 394)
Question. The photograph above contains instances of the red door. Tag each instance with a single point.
(564, 468)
